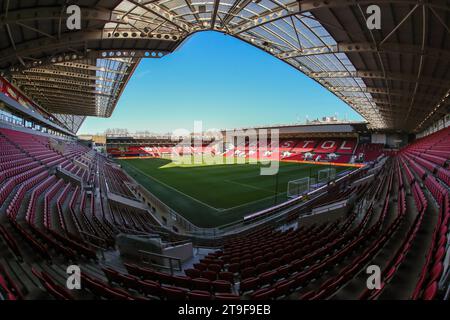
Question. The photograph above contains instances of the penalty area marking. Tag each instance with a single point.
(247, 185)
(220, 210)
(176, 190)
(251, 202)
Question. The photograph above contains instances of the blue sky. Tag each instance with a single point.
(221, 81)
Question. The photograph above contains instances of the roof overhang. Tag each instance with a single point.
(396, 77)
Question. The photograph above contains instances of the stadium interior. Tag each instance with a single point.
(348, 194)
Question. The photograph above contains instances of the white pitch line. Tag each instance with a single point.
(207, 205)
(247, 185)
(251, 202)
(176, 190)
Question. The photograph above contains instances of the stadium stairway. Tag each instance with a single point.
(375, 217)
(357, 287)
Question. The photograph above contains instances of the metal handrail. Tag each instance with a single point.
(96, 238)
(177, 243)
(144, 253)
(102, 250)
(98, 247)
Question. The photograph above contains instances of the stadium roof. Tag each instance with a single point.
(397, 77)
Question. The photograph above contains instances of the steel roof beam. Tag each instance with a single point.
(56, 94)
(88, 40)
(235, 9)
(39, 13)
(363, 47)
(121, 55)
(382, 102)
(19, 77)
(62, 102)
(68, 105)
(73, 111)
(379, 75)
(47, 85)
(163, 14)
(87, 67)
(69, 75)
(297, 7)
(382, 91)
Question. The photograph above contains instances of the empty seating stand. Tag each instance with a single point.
(48, 220)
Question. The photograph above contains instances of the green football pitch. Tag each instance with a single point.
(214, 195)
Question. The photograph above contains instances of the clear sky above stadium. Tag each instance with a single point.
(221, 81)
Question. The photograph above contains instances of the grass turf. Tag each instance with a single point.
(214, 195)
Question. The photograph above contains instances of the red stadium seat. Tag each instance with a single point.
(262, 294)
(201, 284)
(192, 273)
(221, 286)
(182, 281)
(249, 284)
(227, 276)
(227, 297)
(149, 287)
(431, 291)
(173, 293)
(199, 295)
(210, 275)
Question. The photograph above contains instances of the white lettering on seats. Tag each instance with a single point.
(326, 146)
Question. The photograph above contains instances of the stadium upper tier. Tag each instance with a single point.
(396, 77)
(311, 149)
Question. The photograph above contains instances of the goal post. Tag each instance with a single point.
(298, 187)
(326, 175)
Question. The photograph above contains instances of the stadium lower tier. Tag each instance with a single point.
(62, 204)
(316, 150)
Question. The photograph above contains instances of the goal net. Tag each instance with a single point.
(326, 175)
(298, 187)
